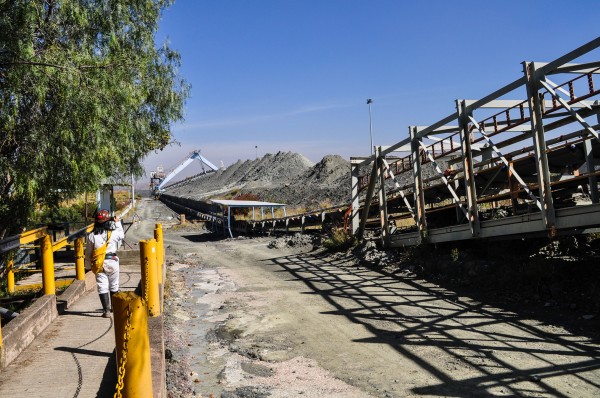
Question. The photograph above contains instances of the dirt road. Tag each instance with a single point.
(248, 321)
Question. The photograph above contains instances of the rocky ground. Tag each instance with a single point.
(237, 327)
(218, 335)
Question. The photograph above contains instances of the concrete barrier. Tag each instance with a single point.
(157, 356)
(22, 330)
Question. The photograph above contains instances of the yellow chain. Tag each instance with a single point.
(146, 282)
(121, 371)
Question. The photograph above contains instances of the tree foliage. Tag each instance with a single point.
(85, 93)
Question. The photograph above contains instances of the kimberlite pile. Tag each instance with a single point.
(285, 177)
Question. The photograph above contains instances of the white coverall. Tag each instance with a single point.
(108, 278)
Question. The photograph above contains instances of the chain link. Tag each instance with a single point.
(121, 370)
(146, 281)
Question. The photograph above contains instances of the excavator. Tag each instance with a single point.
(158, 178)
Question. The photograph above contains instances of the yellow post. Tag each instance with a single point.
(79, 263)
(10, 276)
(182, 219)
(48, 265)
(160, 251)
(134, 371)
(149, 276)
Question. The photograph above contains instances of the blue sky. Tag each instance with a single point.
(294, 75)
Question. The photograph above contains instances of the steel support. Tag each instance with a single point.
(541, 154)
(514, 192)
(507, 163)
(444, 179)
(397, 185)
(570, 109)
(591, 165)
(355, 214)
(418, 191)
(469, 175)
(383, 211)
(368, 199)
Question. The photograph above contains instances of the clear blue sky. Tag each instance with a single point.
(294, 75)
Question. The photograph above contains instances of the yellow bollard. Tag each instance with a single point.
(10, 276)
(134, 371)
(149, 276)
(160, 251)
(160, 244)
(79, 263)
(47, 265)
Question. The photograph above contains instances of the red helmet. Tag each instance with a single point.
(102, 216)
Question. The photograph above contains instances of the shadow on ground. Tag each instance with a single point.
(501, 350)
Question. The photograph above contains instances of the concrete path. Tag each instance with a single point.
(74, 356)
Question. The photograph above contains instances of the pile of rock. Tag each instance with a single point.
(285, 177)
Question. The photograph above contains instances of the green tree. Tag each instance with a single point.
(85, 93)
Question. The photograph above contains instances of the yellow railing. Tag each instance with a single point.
(42, 239)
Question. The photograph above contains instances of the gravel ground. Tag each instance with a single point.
(276, 318)
(218, 337)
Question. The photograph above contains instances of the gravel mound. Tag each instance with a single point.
(326, 184)
(297, 241)
(285, 177)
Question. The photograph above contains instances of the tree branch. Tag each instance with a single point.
(80, 67)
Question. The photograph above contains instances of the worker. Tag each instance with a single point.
(101, 256)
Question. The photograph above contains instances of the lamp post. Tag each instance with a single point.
(256, 150)
(369, 102)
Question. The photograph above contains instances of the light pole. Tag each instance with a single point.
(369, 102)
(256, 150)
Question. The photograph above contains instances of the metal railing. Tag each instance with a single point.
(523, 156)
(40, 239)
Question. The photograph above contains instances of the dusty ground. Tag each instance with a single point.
(247, 320)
